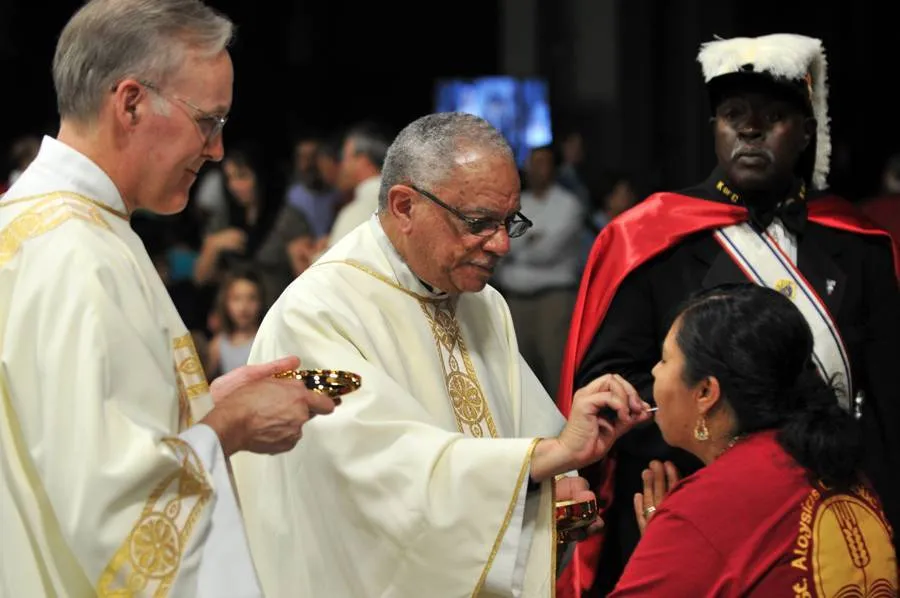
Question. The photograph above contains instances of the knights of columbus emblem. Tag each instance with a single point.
(786, 287)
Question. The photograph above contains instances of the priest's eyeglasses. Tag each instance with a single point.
(515, 225)
(210, 124)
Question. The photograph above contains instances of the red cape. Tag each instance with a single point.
(643, 232)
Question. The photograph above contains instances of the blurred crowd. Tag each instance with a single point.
(251, 228)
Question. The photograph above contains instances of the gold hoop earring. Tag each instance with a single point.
(701, 432)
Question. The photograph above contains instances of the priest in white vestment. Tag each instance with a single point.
(114, 476)
(437, 477)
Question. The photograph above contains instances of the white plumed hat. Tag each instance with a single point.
(795, 61)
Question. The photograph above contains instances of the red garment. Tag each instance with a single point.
(645, 231)
(751, 524)
(885, 212)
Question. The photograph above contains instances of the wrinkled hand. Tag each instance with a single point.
(578, 489)
(258, 413)
(588, 435)
(226, 384)
(659, 479)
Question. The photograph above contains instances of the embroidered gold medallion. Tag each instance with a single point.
(473, 416)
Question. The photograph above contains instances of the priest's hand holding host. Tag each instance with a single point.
(588, 434)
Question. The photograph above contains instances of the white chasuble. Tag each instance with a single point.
(417, 484)
(109, 488)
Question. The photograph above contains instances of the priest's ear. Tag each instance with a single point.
(127, 97)
(400, 205)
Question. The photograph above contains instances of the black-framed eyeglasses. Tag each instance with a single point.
(515, 225)
(210, 124)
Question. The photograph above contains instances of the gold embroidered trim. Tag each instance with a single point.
(70, 194)
(197, 390)
(149, 559)
(47, 214)
(383, 278)
(185, 413)
(526, 467)
(190, 376)
(553, 537)
(466, 396)
(189, 367)
(466, 406)
(183, 342)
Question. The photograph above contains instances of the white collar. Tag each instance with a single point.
(58, 163)
(404, 274)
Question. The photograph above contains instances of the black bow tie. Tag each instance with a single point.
(791, 212)
(762, 211)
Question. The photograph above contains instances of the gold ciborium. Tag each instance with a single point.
(573, 515)
(334, 383)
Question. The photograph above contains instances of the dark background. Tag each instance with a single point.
(621, 71)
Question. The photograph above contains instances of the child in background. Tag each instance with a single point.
(240, 311)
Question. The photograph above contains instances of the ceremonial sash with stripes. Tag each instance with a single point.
(765, 263)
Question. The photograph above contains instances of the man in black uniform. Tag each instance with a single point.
(763, 214)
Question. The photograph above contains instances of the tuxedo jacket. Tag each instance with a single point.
(855, 277)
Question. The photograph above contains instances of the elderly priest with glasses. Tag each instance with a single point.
(439, 476)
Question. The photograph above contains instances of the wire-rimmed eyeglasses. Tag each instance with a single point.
(516, 225)
(210, 124)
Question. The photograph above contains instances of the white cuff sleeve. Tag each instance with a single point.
(507, 574)
(226, 569)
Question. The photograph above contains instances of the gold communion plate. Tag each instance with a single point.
(333, 383)
(572, 516)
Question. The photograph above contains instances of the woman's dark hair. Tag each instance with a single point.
(243, 157)
(758, 345)
(251, 156)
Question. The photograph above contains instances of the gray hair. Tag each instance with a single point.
(371, 141)
(109, 40)
(426, 150)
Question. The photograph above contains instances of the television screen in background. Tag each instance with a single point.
(519, 108)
